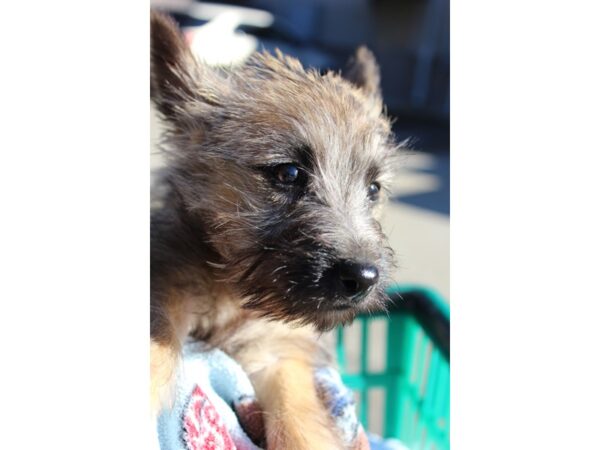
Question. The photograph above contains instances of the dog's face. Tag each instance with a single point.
(286, 170)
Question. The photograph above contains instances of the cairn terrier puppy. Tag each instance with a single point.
(268, 233)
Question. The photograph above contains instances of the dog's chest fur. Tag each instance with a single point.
(185, 285)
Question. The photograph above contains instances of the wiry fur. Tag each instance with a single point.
(230, 249)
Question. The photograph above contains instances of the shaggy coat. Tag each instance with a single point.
(245, 259)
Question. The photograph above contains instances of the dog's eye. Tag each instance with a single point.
(374, 189)
(287, 173)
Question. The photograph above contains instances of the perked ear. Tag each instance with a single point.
(362, 71)
(172, 65)
(178, 81)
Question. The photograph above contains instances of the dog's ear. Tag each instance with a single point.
(362, 71)
(179, 83)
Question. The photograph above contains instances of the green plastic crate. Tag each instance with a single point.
(416, 376)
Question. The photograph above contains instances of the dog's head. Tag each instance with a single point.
(285, 169)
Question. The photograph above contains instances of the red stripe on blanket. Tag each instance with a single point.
(203, 427)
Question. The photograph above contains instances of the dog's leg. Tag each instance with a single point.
(163, 363)
(295, 417)
(281, 363)
(169, 325)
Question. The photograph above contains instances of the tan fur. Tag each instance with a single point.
(294, 415)
(163, 364)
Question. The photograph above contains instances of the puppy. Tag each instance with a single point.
(267, 233)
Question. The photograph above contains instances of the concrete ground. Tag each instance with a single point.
(416, 224)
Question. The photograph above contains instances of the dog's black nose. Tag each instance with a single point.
(355, 278)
